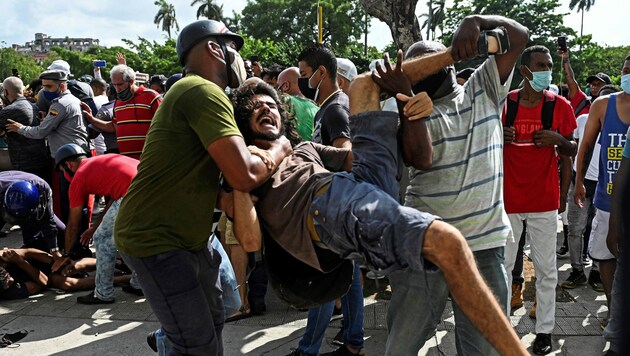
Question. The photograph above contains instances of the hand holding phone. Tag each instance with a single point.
(562, 43)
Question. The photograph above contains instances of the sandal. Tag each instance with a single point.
(242, 313)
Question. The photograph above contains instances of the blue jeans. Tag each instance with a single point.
(359, 216)
(319, 318)
(418, 300)
(184, 291)
(106, 255)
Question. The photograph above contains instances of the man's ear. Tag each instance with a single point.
(215, 49)
(522, 69)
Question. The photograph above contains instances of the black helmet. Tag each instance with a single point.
(199, 30)
(67, 151)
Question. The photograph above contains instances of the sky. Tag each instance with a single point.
(112, 20)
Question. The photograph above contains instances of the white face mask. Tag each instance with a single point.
(237, 66)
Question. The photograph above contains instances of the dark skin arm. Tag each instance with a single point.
(620, 192)
(38, 277)
(465, 39)
(238, 165)
(566, 145)
(566, 171)
(417, 146)
(587, 144)
(72, 232)
(568, 73)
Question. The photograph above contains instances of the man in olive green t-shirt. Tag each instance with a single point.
(164, 223)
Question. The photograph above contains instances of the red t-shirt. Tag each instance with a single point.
(531, 181)
(133, 119)
(107, 175)
(577, 99)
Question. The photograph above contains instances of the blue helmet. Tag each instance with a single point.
(21, 199)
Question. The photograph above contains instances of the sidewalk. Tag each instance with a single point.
(57, 325)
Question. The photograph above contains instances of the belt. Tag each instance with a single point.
(310, 222)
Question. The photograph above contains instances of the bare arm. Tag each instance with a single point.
(587, 143)
(416, 140)
(246, 224)
(568, 74)
(243, 170)
(104, 126)
(72, 232)
(566, 171)
(467, 35)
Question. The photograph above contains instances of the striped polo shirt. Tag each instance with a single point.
(465, 184)
(133, 118)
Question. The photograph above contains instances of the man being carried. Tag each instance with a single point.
(355, 215)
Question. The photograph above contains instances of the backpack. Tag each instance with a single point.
(581, 105)
(549, 105)
(300, 285)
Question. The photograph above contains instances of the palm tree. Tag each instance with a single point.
(209, 9)
(581, 6)
(435, 17)
(166, 16)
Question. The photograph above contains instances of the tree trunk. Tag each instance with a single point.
(400, 16)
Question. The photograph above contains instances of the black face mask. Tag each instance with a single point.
(304, 88)
(125, 94)
(431, 84)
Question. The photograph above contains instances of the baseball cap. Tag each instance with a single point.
(60, 64)
(600, 76)
(346, 69)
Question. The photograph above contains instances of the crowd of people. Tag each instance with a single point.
(304, 167)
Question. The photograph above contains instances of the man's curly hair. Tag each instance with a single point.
(242, 100)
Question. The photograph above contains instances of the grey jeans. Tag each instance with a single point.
(184, 291)
(579, 218)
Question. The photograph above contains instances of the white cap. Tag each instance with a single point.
(60, 64)
(373, 64)
(346, 69)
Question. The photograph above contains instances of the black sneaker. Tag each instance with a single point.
(296, 353)
(342, 351)
(338, 339)
(562, 251)
(127, 288)
(91, 299)
(152, 341)
(575, 279)
(542, 344)
(595, 281)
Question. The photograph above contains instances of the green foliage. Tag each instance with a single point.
(28, 68)
(594, 58)
(296, 21)
(539, 16)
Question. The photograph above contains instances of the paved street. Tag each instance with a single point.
(57, 325)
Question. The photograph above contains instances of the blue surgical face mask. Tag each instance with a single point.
(50, 95)
(625, 83)
(540, 80)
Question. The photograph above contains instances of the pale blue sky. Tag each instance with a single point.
(112, 20)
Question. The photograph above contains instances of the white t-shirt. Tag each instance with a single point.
(593, 168)
(465, 184)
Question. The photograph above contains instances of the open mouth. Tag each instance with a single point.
(266, 121)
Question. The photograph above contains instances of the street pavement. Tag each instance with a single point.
(57, 325)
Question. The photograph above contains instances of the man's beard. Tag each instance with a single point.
(267, 137)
